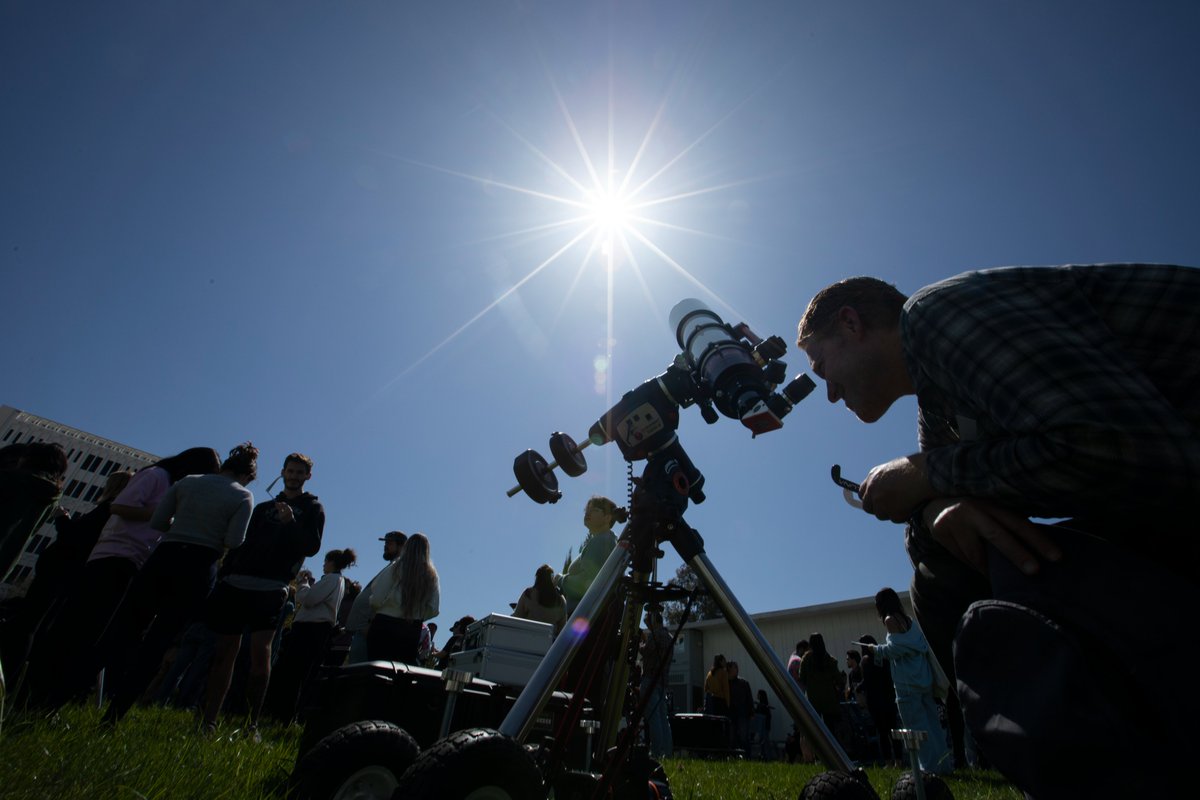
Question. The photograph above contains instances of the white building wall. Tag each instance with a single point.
(841, 624)
(90, 459)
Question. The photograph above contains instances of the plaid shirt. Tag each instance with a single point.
(1060, 391)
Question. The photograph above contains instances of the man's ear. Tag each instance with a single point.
(849, 321)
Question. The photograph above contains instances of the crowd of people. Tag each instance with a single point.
(176, 587)
(856, 701)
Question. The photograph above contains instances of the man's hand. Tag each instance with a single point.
(284, 512)
(964, 525)
(893, 490)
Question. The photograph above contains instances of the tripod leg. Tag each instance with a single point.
(618, 681)
(827, 747)
(549, 674)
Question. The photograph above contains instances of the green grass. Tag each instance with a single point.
(155, 754)
(757, 780)
(158, 754)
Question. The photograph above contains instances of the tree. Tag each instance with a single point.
(702, 606)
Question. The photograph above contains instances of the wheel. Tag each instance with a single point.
(536, 478)
(360, 761)
(566, 454)
(472, 764)
(935, 788)
(838, 786)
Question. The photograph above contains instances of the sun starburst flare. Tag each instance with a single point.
(607, 215)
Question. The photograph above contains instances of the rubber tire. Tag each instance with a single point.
(836, 786)
(935, 788)
(469, 761)
(323, 771)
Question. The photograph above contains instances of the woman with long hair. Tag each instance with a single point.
(821, 679)
(408, 595)
(72, 655)
(914, 675)
(716, 688)
(303, 647)
(200, 517)
(543, 602)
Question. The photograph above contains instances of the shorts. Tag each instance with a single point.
(231, 610)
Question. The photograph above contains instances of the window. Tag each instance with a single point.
(37, 544)
(77, 455)
(107, 468)
(7, 434)
(87, 463)
(79, 490)
(16, 574)
(91, 492)
(18, 436)
(70, 488)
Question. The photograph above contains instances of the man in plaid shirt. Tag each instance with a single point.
(1053, 392)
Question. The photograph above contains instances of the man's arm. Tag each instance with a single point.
(1079, 418)
(313, 528)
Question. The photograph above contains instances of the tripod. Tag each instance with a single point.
(655, 516)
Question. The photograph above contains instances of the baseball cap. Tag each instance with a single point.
(394, 536)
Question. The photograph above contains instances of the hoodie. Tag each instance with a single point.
(275, 550)
(909, 656)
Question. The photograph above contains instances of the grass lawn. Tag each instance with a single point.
(157, 754)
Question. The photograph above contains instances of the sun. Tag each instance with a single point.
(610, 211)
(608, 208)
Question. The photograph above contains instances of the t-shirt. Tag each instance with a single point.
(320, 602)
(133, 539)
(528, 607)
(208, 510)
(656, 652)
(583, 570)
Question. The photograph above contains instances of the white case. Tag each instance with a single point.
(498, 665)
(509, 633)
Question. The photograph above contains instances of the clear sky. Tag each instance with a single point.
(363, 231)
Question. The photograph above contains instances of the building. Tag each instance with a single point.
(90, 460)
(841, 623)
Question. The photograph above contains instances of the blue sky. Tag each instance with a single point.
(343, 229)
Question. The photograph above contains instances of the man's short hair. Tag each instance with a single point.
(394, 536)
(877, 302)
(299, 458)
(47, 458)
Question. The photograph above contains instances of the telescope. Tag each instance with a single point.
(725, 370)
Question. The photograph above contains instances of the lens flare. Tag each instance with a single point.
(580, 627)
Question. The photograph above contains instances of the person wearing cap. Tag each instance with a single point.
(360, 611)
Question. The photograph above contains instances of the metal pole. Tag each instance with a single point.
(827, 747)
(618, 681)
(521, 717)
